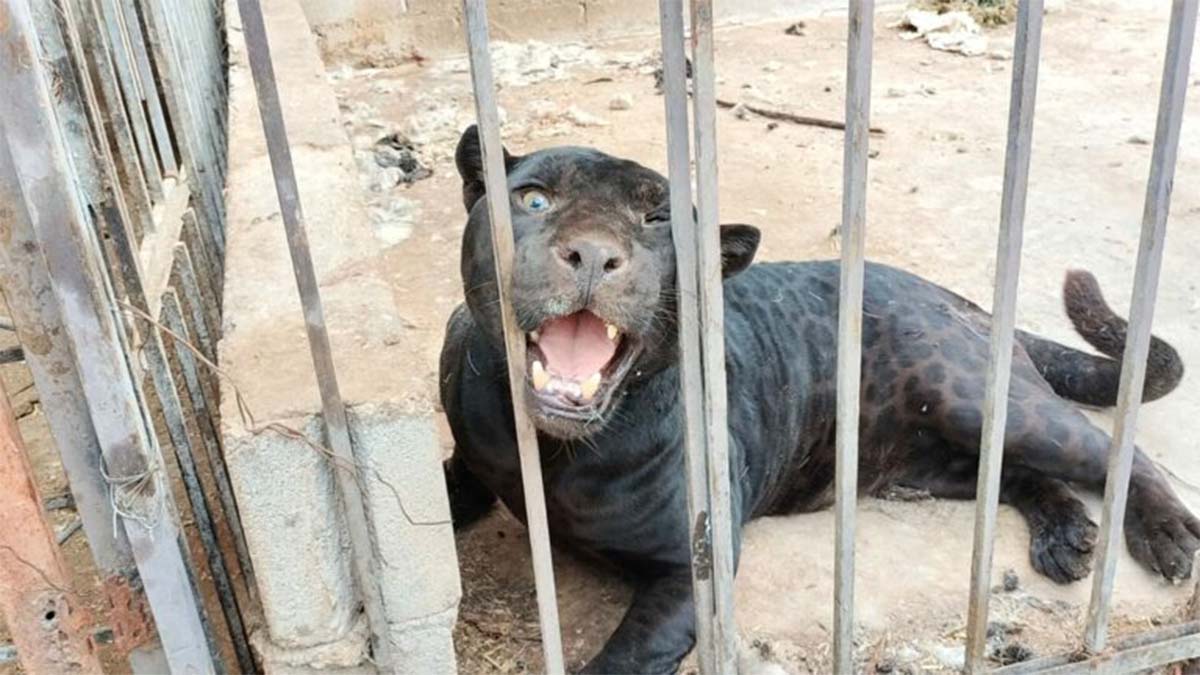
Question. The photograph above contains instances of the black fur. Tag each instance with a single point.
(614, 482)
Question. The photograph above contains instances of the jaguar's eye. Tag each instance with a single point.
(535, 200)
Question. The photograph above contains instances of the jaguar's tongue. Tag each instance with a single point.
(577, 347)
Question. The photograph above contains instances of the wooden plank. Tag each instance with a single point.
(1141, 314)
(496, 184)
(849, 353)
(712, 350)
(683, 233)
(68, 245)
(1022, 101)
(366, 564)
(43, 616)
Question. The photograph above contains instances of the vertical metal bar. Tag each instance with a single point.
(712, 351)
(496, 184)
(1004, 309)
(172, 316)
(34, 599)
(69, 249)
(141, 57)
(173, 416)
(683, 233)
(1145, 289)
(850, 295)
(28, 295)
(366, 564)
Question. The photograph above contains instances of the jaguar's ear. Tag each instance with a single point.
(739, 243)
(469, 159)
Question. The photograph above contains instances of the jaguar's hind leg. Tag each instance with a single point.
(1048, 436)
(1061, 534)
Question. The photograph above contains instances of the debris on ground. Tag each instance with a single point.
(582, 118)
(658, 74)
(796, 29)
(986, 12)
(1011, 581)
(1011, 652)
(620, 102)
(739, 108)
(397, 154)
(954, 32)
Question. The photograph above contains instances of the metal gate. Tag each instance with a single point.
(112, 166)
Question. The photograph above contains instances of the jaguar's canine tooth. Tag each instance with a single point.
(612, 331)
(540, 377)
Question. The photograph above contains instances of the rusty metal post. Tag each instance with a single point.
(51, 636)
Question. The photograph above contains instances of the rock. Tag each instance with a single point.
(772, 66)
(1011, 581)
(396, 151)
(739, 111)
(1138, 140)
(621, 102)
(953, 658)
(796, 29)
(999, 55)
(581, 118)
(1012, 652)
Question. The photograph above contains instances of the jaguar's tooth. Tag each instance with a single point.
(535, 336)
(589, 387)
(612, 331)
(540, 377)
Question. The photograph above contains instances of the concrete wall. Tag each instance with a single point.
(384, 32)
(282, 477)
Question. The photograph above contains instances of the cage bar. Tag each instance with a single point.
(850, 294)
(496, 185)
(1022, 100)
(1141, 313)
(683, 234)
(337, 432)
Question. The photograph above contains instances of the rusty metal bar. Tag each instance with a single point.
(1022, 100)
(366, 563)
(38, 607)
(149, 86)
(712, 351)
(204, 412)
(1135, 653)
(67, 243)
(1141, 313)
(497, 194)
(850, 304)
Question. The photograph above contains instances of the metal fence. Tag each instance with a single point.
(702, 349)
(112, 166)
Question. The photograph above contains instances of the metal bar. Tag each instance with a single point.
(172, 315)
(34, 599)
(173, 417)
(68, 247)
(366, 564)
(1145, 288)
(190, 287)
(1137, 653)
(104, 103)
(850, 301)
(1022, 99)
(496, 185)
(26, 284)
(683, 233)
(149, 84)
(208, 271)
(712, 351)
(123, 68)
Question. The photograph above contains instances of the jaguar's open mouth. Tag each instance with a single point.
(576, 362)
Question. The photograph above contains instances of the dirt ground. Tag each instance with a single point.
(933, 206)
(934, 197)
